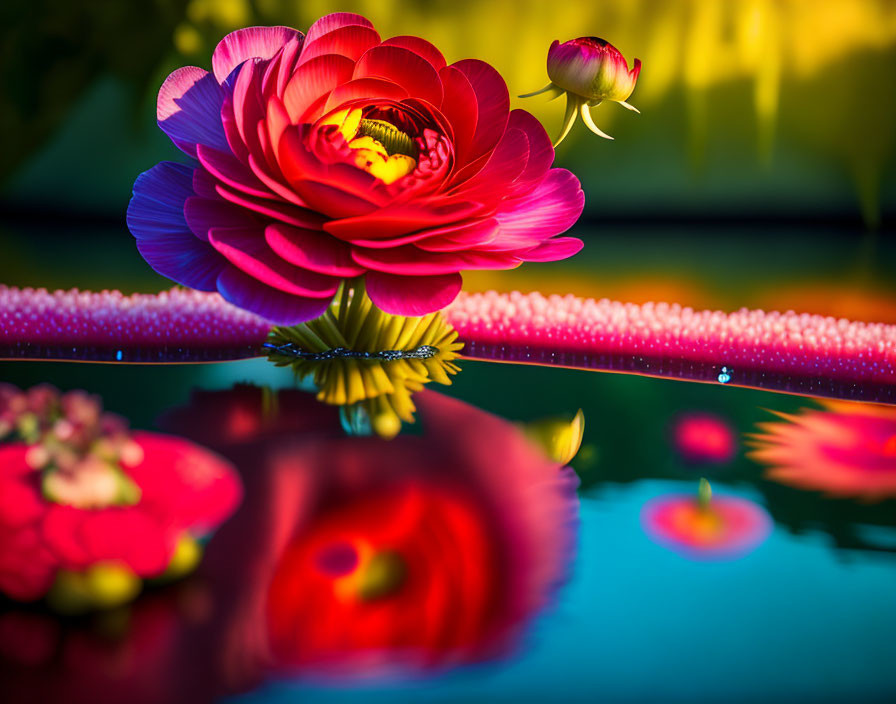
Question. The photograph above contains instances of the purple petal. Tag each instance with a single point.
(273, 305)
(156, 219)
(189, 110)
(249, 43)
(412, 295)
(202, 214)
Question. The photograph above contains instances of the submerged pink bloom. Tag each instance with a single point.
(704, 438)
(720, 528)
(589, 70)
(336, 155)
(844, 449)
(80, 491)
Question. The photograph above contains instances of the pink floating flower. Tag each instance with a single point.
(337, 154)
(84, 502)
(704, 438)
(589, 70)
(844, 449)
(704, 528)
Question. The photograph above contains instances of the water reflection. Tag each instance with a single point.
(363, 557)
(350, 558)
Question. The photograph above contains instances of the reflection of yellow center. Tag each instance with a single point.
(377, 575)
(371, 154)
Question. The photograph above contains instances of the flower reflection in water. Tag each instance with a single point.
(88, 509)
(362, 557)
(704, 438)
(843, 449)
(705, 528)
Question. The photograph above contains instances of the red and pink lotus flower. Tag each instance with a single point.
(335, 154)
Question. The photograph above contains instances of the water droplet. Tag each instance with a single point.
(118, 356)
(725, 375)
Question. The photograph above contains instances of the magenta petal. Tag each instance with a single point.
(553, 250)
(411, 261)
(506, 163)
(202, 214)
(313, 250)
(400, 219)
(273, 305)
(246, 249)
(332, 22)
(412, 295)
(403, 67)
(421, 47)
(541, 153)
(350, 41)
(551, 208)
(189, 109)
(493, 102)
(231, 171)
(457, 237)
(287, 212)
(249, 43)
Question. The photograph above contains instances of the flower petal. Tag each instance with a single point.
(334, 21)
(315, 251)
(460, 108)
(313, 80)
(156, 219)
(350, 41)
(421, 47)
(541, 153)
(412, 295)
(367, 88)
(246, 249)
(553, 250)
(249, 43)
(409, 260)
(189, 109)
(403, 67)
(402, 218)
(228, 169)
(551, 208)
(202, 214)
(278, 307)
(493, 102)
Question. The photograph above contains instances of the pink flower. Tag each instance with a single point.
(163, 489)
(704, 438)
(335, 155)
(843, 449)
(721, 528)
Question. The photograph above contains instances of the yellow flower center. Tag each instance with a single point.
(381, 148)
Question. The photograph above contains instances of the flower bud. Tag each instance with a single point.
(592, 68)
(589, 71)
